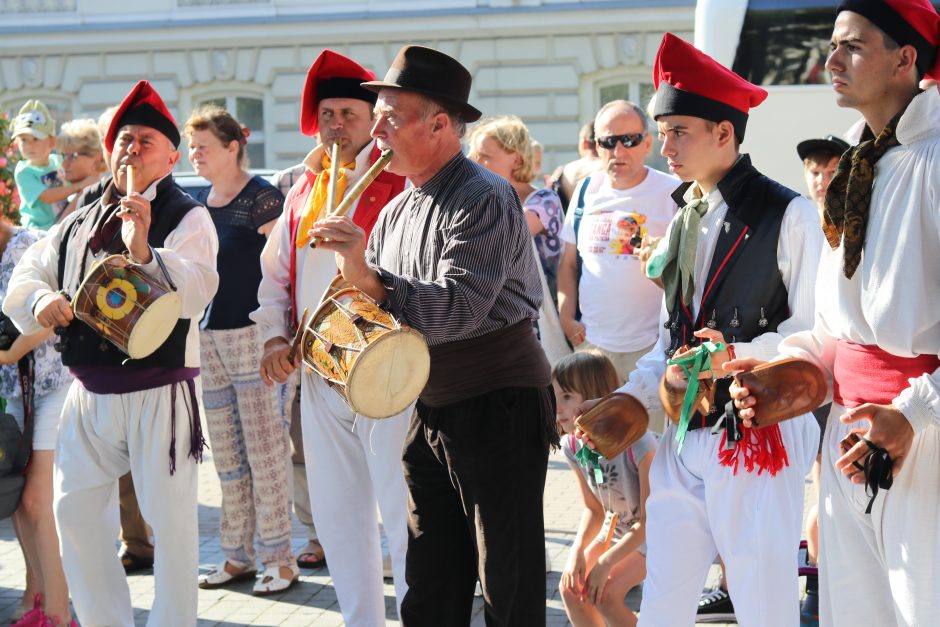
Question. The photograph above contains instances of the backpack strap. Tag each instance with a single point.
(578, 214)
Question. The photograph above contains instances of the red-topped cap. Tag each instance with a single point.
(144, 106)
(332, 76)
(689, 82)
(909, 23)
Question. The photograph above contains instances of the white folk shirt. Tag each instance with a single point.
(618, 303)
(316, 267)
(798, 247)
(189, 253)
(893, 299)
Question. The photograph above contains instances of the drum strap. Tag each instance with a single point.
(63, 248)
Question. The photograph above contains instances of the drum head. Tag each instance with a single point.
(389, 374)
(154, 326)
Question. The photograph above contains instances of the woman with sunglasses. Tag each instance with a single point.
(79, 143)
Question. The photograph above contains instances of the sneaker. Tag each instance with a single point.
(809, 610)
(715, 606)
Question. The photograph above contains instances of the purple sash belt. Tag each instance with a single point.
(124, 380)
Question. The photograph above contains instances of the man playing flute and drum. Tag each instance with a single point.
(452, 258)
(352, 462)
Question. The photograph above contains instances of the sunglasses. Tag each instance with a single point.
(629, 140)
(75, 155)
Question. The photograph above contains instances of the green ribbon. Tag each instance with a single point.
(694, 363)
(590, 459)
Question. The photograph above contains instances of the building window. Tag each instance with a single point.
(639, 93)
(250, 112)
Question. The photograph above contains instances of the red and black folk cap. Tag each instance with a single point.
(689, 82)
(143, 106)
(909, 23)
(332, 76)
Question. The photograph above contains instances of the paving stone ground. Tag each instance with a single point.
(313, 601)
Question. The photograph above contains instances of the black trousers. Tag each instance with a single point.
(475, 472)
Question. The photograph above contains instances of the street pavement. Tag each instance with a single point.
(312, 602)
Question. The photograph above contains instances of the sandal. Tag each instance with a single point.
(33, 616)
(135, 563)
(19, 613)
(312, 556)
(219, 577)
(271, 581)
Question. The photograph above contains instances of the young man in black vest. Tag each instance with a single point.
(739, 270)
(126, 414)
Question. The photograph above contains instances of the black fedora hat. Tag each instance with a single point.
(831, 143)
(433, 74)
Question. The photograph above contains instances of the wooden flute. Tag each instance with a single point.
(358, 188)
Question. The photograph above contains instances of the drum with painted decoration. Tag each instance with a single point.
(126, 306)
(361, 350)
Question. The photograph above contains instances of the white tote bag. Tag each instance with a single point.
(552, 337)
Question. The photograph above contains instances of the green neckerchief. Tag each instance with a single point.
(679, 267)
(697, 361)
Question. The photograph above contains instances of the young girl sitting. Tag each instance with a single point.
(608, 556)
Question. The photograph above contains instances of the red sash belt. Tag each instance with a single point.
(867, 374)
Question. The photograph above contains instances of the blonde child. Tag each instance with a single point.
(602, 566)
(38, 175)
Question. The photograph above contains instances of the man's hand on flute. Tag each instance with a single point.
(341, 235)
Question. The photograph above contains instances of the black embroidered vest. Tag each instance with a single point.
(83, 346)
(744, 293)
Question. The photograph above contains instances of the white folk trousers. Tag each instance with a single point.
(881, 568)
(354, 462)
(101, 437)
(698, 508)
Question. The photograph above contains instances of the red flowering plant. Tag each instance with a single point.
(9, 198)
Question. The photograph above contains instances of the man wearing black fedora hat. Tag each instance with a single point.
(452, 258)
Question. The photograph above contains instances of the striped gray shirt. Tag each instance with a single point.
(455, 255)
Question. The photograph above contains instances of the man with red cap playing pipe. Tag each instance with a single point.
(877, 330)
(352, 462)
(126, 414)
(739, 269)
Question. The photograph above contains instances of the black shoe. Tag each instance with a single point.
(715, 606)
(135, 563)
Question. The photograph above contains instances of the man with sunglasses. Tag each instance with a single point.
(610, 212)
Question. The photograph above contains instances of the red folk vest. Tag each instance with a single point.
(385, 187)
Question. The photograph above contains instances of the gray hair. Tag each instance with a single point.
(432, 107)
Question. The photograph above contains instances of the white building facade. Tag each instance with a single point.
(552, 62)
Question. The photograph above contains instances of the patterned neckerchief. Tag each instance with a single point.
(848, 198)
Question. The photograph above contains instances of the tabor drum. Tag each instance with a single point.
(128, 307)
(376, 364)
